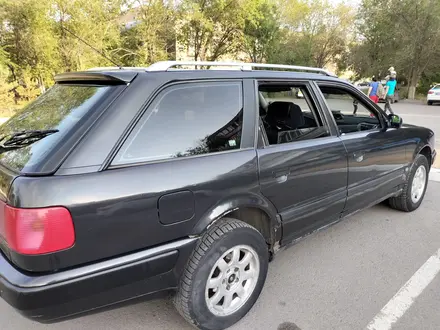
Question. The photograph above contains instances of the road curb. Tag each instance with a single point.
(437, 160)
(434, 174)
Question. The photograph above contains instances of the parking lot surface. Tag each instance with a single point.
(338, 278)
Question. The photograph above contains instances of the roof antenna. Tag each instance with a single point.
(100, 53)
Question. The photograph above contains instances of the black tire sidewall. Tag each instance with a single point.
(198, 308)
(419, 161)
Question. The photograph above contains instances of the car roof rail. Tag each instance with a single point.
(111, 68)
(169, 65)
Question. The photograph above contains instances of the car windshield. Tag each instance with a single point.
(60, 109)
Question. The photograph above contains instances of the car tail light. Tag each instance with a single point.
(37, 231)
(431, 92)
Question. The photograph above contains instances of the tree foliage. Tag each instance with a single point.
(35, 45)
(27, 38)
(209, 29)
(93, 20)
(153, 36)
(400, 33)
(261, 31)
(35, 42)
(315, 32)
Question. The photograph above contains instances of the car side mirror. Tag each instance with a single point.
(395, 121)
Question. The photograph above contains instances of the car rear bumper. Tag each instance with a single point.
(433, 97)
(52, 297)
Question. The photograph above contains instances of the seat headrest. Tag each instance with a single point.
(276, 112)
(296, 116)
(279, 109)
(287, 112)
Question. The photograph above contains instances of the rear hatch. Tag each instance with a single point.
(6, 178)
(36, 140)
(61, 112)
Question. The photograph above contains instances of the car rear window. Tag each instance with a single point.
(61, 107)
(437, 87)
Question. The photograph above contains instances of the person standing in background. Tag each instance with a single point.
(373, 90)
(392, 73)
(390, 88)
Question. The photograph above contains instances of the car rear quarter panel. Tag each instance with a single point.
(116, 211)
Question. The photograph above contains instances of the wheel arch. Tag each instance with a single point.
(425, 151)
(251, 208)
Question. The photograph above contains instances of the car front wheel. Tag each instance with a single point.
(224, 275)
(414, 188)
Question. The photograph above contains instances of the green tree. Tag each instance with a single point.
(261, 30)
(95, 21)
(152, 38)
(6, 95)
(316, 32)
(208, 29)
(400, 33)
(34, 44)
(27, 37)
(4, 57)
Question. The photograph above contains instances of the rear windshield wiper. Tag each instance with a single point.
(24, 138)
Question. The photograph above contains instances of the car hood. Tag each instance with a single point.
(409, 125)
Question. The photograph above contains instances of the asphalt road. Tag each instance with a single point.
(338, 278)
(419, 114)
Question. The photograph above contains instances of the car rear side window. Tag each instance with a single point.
(187, 120)
(60, 108)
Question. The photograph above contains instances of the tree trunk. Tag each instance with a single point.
(412, 92)
(412, 85)
(41, 85)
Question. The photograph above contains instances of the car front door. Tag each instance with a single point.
(302, 162)
(376, 154)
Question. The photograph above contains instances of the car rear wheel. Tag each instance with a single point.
(430, 102)
(414, 188)
(224, 275)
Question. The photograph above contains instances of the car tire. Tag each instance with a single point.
(430, 102)
(228, 252)
(413, 191)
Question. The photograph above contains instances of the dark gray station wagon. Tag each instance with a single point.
(119, 183)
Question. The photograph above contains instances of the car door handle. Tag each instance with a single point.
(358, 156)
(281, 176)
(279, 173)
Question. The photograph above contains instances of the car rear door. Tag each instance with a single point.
(192, 148)
(376, 155)
(305, 175)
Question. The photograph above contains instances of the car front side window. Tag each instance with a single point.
(350, 112)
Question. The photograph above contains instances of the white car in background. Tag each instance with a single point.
(434, 95)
